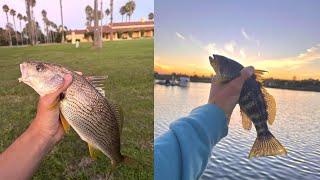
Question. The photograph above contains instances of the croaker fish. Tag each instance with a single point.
(97, 121)
(257, 106)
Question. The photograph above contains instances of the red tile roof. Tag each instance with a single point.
(121, 27)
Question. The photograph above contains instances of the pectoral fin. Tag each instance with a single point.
(93, 151)
(246, 122)
(271, 105)
(64, 123)
(54, 104)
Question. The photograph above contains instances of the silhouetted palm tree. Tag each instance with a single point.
(150, 16)
(62, 33)
(20, 17)
(13, 14)
(6, 10)
(122, 11)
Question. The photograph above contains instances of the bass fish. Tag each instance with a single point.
(97, 121)
(257, 106)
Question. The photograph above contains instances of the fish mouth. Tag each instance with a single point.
(24, 73)
(214, 63)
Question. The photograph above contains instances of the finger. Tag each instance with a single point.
(237, 83)
(78, 72)
(67, 80)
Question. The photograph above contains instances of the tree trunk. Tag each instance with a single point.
(111, 20)
(96, 26)
(10, 39)
(62, 32)
(21, 33)
(30, 24)
(15, 30)
(100, 40)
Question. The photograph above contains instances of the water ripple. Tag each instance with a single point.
(297, 127)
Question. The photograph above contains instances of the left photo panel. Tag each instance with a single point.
(76, 89)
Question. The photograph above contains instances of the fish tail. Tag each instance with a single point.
(267, 145)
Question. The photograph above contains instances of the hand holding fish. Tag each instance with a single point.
(226, 96)
(47, 119)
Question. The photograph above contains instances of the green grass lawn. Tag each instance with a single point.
(129, 66)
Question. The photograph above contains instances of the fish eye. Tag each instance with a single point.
(40, 67)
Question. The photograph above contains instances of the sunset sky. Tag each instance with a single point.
(73, 10)
(282, 37)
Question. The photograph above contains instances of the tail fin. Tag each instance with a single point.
(267, 145)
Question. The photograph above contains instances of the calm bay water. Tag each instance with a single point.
(297, 127)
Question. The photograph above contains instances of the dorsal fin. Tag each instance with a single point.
(271, 105)
(246, 122)
(259, 73)
(119, 115)
(98, 83)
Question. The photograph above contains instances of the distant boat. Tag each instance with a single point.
(184, 81)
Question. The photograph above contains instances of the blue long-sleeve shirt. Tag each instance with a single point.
(183, 151)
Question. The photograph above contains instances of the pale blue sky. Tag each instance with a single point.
(280, 36)
(74, 14)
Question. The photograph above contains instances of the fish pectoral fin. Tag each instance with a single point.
(271, 105)
(93, 151)
(64, 123)
(267, 145)
(119, 115)
(246, 122)
(54, 104)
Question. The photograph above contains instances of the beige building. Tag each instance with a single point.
(120, 31)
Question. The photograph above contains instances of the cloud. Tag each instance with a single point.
(180, 36)
(245, 35)
(230, 46)
(249, 37)
(210, 48)
(311, 54)
(242, 53)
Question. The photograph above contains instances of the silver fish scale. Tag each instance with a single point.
(92, 117)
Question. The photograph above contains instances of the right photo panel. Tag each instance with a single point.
(236, 89)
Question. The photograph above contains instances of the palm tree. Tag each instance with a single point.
(44, 18)
(107, 12)
(150, 16)
(25, 19)
(89, 12)
(62, 34)
(33, 4)
(6, 10)
(100, 13)
(13, 14)
(30, 23)
(122, 11)
(130, 7)
(19, 16)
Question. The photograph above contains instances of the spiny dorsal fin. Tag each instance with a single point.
(246, 122)
(271, 105)
(119, 115)
(98, 83)
(259, 73)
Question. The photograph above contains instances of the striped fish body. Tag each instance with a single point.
(92, 117)
(252, 103)
(257, 106)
